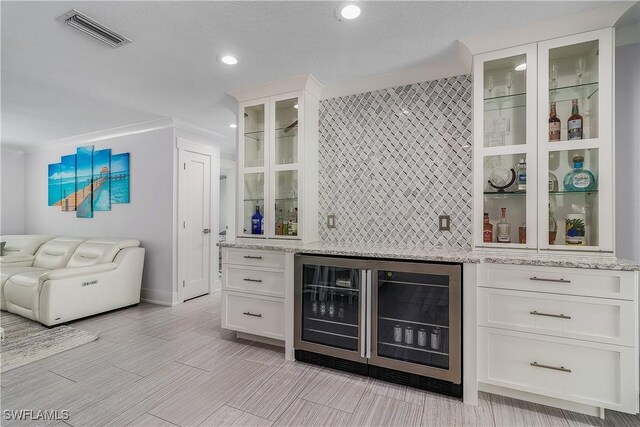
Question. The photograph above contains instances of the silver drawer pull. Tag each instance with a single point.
(248, 313)
(252, 257)
(559, 316)
(253, 280)
(549, 280)
(555, 368)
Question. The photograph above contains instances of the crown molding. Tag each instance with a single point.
(304, 82)
(592, 19)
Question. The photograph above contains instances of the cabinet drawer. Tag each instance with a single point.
(254, 258)
(263, 281)
(593, 319)
(570, 281)
(262, 316)
(594, 374)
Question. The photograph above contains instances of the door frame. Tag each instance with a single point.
(183, 146)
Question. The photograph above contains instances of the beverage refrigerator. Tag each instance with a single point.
(394, 320)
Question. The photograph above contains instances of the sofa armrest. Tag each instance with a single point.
(17, 260)
(65, 273)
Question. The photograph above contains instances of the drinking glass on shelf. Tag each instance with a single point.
(581, 67)
(508, 80)
(554, 75)
(490, 83)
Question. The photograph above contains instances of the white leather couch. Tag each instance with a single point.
(54, 280)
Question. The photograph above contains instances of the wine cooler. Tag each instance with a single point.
(399, 321)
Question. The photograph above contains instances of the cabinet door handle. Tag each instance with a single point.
(559, 316)
(554, 368)
(539, 279)
(252, 257)
(252, 280)
(248, 313)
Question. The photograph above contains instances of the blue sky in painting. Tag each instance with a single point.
(101, 158)
(120, 163)
(68, 169)
(84, 160)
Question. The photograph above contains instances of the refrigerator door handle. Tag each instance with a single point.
(369, 317)
(363, 314)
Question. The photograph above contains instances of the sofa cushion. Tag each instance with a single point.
(23, 244)
(8, 272)
(98, 251)
(56, 252)
(22, 294)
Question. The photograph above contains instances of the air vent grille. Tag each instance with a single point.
(89, 26)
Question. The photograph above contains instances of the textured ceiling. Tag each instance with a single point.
(57, 82)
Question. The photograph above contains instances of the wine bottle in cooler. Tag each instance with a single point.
(504, 228)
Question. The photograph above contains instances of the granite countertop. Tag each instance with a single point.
(425, 253)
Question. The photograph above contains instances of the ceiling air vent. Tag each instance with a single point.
(90, 26)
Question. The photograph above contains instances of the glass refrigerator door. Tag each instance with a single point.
(417, 320)
(331, 306)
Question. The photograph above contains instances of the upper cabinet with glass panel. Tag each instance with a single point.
(254, 121)
(286, 137)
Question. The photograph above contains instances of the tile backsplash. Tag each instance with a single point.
(393, 160)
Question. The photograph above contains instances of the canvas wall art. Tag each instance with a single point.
(90, 180)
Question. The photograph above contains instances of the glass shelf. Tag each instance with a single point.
(517, 100)
(287, 199)
(496, 195)
(253, 200)
(567, 93)
(561, 193)
(280, 133)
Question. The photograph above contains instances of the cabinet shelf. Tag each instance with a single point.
(567, 93)
(571, 193)
(280, 133)
(503, 102)
(408, 347)
(391, 319)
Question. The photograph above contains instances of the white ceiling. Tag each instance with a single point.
(58, 83)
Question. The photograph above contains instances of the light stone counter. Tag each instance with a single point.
(425, 253)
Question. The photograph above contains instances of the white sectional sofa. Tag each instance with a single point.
(54, 280)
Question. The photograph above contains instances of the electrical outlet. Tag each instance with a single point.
(331, 221)
(444, 223)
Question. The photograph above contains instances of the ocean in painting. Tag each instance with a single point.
(84, 181)
(120, 178)
(101, 175)
(55, 192)
(68, 182)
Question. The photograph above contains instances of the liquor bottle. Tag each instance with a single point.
(522, 233)
(256, 222)
(279, 223)
(575, 229)
(294, 224)
(290, 223)
(574, 123)
(504, 228)
(579, 179)
(553, 227)
(521, 176)
(555, 125)
(487, 229)
(553, 183)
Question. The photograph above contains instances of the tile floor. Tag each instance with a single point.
(166, 366)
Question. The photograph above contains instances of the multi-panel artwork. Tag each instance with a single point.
(90, 180)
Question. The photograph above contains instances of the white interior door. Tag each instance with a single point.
(196, 204)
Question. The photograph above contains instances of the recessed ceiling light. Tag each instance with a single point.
(348, 11)
(229, 60)
(521, 67)
(233, 125)
(295, 106)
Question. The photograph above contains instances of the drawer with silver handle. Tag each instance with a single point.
(568, 281)
(256, 258)
(262, 316)
(579, 371)
(586, 318)
(255, 280)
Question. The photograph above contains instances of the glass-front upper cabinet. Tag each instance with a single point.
(575, 142)
(505, 158)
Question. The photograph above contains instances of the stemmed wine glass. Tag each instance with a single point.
(581, 67)
(554, 75)
(508, 80)
(490, 83)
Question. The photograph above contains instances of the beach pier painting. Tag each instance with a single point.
(90, 180)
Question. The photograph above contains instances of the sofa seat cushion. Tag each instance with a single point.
(7, 272)
(26, 244)
(22, 260)
(56, 252)
(22, 294)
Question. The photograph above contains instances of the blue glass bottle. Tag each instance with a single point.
(579, 179)
(256, 222)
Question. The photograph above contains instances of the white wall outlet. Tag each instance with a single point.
(331, 221)
(444, 223)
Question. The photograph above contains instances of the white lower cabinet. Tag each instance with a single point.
(561, 333)
(253, 292)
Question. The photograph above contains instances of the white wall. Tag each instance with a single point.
(149, 216)
(627, 110)
(12, 192)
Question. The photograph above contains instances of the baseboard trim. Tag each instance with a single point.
(257, 338)
(155, 296)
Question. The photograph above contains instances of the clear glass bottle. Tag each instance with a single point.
(553, 183)
(504, 228)
(256, 222)
(579, 179)
(553, 227)
(521, 176)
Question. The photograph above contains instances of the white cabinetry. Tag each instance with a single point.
(515, 91)
(278, 159)
(560, 333)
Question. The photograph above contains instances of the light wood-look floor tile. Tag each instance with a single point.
(511, 412)
(33, 388)
(447, 411)
(263, 354)
(305, 413)
(396, 391)
(576, 419)
(148, 420)
(227, 416)
(336, 390)
(620, 419)
(376, 410)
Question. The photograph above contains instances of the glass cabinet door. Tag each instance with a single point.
(417, 318)
(331, 306)
(575, 142)
(505, 158)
